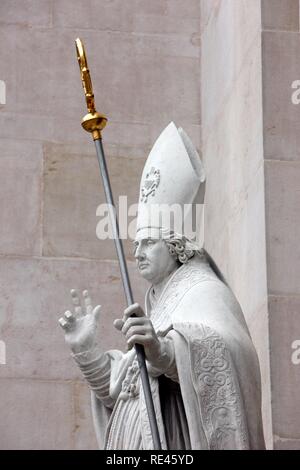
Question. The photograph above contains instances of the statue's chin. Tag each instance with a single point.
(145, 276)
(144, 272)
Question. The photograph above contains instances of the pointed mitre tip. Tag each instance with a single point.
(171, 127)
(167, 134)
(170, 132)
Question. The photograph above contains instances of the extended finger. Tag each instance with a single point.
(76, 302)
(69, 316)
(63, 323)
(96, 312)
(87, 301)
(134, 309)
(118, 323)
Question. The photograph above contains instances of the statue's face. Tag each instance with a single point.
(153, 259)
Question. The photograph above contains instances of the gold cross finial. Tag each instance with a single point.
(93, 122)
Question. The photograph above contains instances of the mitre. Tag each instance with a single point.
(172, 189)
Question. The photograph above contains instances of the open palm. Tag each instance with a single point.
(81, 326)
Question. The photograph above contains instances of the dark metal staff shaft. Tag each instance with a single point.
(128, 291)
(94, 122)
(114, 221)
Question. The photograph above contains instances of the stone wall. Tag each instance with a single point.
(250, 142)
(147, 70)
(145, 62)
(281, 68)
(232, 147)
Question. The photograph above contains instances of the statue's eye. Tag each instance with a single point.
(150, 242)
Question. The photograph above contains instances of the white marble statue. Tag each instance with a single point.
(203, 368)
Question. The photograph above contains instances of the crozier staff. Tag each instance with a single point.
(94, 123)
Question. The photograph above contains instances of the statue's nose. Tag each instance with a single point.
(139, 253)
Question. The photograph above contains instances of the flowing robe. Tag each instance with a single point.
(209, 395)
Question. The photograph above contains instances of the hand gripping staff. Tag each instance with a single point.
(94, 122)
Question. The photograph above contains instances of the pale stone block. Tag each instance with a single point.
(233, 146)
(33, 128)
(141, 84)
(129, 139)
(142, 16)
(247, 247)
(233, 159)
(73, 191)
(26, 12)
(36, 415)
(181, 24)
(238, 247)
(280, 15)
(234, 236)
(284, 327)
(136, 78)
(36, 292)
(208, 9)
(20, 197)
(286, 444)
(132, 140)
(232, 32)
(281, 116)
(283, 226)
(84, 433)
(31, 83)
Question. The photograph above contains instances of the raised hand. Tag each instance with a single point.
(80, 326)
